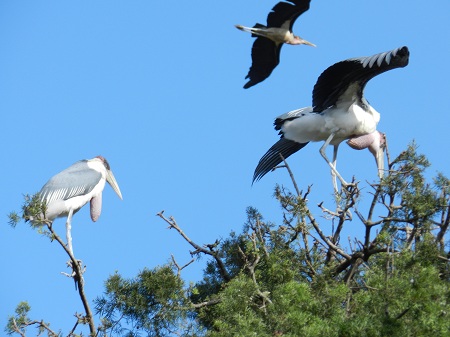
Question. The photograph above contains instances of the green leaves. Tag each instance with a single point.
(154, 302)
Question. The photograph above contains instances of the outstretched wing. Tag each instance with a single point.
(76, 180)
(284, 14)
(272, 157)
(337, 79)
(265, 57)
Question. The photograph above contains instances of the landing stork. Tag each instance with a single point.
(68, 191)
(340, 112)
(269, 39)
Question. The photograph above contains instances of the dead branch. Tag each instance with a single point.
(39, 324)
(179, 269)
(291, 175)
(198, 249)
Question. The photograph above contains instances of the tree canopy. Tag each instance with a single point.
(298, 277)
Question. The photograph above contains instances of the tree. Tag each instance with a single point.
(298, 278)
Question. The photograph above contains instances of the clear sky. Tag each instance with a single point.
(156, 88)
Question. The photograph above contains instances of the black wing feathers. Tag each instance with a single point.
(272, 158)
(265, 57)
(285, 11)
(335, 80)
(265, 52)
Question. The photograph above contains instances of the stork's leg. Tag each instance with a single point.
(334, 172)
(69, 231)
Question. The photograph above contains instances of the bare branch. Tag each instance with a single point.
(39, 324)
(198, 249)
(291, 175)
(179, 269)
(77, 274)
(17, 329)
(323, 236)
(251, 268)
(206, 304)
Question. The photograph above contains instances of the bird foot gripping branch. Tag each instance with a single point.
(77, 271)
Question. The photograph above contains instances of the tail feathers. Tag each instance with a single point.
(272, 157)
(243, 28)
(252, 30)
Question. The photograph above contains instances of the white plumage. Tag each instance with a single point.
(340, 112)
(69, 190)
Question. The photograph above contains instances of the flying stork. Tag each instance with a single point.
(68, 191)
(269, 39)
(340, 112)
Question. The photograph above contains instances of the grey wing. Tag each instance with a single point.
(336, 79)
(76, 180)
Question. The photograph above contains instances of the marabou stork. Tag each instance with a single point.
(68, 191)
(269, 39)
(340, 112)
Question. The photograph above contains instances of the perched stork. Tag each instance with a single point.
(269, 39)
(68, 191)
(340, 112)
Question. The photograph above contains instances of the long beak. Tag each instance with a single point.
(112, 181)
(377, 149)
(308, 43)
(379, 157)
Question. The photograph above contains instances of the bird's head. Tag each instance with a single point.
(299, 40)
(110, 176)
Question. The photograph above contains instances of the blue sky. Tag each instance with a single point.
(156, 88)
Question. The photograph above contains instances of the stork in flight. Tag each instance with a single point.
(269, 39)
(68, 191)
(340, 112)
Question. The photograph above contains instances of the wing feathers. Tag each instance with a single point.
(336, 79)
(287, 12)
(265, 57)
(272, 158)
(76, 180)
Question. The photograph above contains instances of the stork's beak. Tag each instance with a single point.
(308, 43)
(112, 181)
(377, 148)
(376, 143)
(379, 157)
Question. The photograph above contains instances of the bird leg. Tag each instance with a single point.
(68, 231)
(334, 172)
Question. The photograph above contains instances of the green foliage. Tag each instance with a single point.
(404, 295)
(20, 322)
(33, 212)
(20, 318)
(297, 278)
(154, 303)
(394, 285)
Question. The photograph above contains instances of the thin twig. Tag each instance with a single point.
(179, 269)
(41, 324)
(291, 175)
(198, 249)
